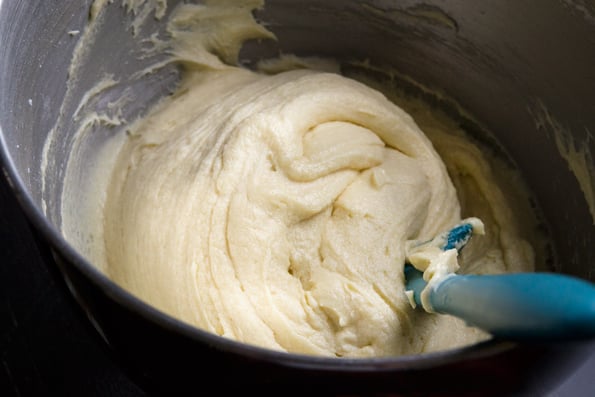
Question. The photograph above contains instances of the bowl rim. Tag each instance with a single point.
(122, 297)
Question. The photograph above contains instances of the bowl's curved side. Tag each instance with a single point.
(165, 356)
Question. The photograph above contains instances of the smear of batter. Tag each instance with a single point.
(276, 209)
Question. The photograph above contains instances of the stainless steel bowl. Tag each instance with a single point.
(526, 71)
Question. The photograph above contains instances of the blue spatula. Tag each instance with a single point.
(519, 306)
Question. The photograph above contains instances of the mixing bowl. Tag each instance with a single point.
(526, 73)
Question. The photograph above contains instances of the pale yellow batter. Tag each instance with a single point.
(276, 209)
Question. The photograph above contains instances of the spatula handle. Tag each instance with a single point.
(520, 306)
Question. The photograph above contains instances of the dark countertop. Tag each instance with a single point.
(49, 348)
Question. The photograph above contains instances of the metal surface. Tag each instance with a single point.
(525, 72)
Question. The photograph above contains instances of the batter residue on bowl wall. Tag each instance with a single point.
(274, 208)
